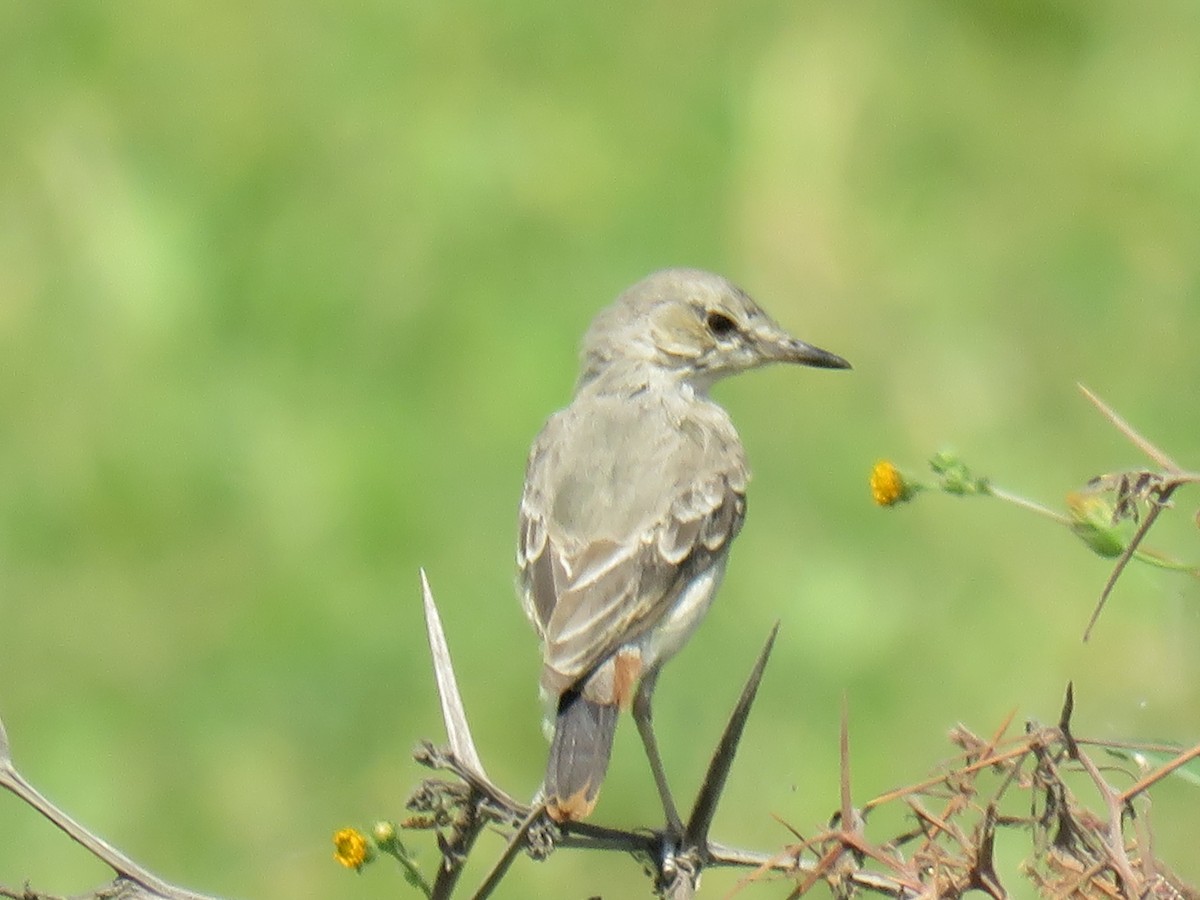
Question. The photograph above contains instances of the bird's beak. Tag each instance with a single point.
(794, 351)
(776, 345)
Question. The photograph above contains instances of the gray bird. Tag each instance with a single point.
(633, 495)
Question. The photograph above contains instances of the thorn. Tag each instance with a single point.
(1123, 561)
(696, 833)
(1130, 432)
(1064, 721)
(844, 755)
(453, 714)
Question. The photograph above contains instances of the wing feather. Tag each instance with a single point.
(587, 594)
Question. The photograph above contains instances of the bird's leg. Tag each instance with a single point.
(643, 717)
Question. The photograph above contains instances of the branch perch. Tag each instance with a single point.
(133, 880)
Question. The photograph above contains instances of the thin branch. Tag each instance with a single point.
(515, 843)
(1114, 842)
(1175, 478)
(12, 781)
(1132, 433)
(1160, 773)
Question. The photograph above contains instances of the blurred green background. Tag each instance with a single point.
(287, 289)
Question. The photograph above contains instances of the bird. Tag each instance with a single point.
(633, 495)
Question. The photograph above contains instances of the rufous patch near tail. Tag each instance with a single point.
(625, 678)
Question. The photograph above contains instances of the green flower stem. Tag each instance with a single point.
(1022, 502)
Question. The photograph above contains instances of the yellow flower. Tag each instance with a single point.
(350, 848)
(887, 484)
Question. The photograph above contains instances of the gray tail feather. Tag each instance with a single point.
(579, 753)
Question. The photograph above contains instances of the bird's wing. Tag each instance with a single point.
(586, 597)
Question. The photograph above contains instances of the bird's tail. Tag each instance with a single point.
(579, 754)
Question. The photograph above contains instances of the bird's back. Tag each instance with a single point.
(624, 497)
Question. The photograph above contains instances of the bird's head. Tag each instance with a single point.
(694, 326)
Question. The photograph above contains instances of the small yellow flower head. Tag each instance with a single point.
(888, 486)
(350, 848)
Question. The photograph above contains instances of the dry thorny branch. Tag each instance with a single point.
(1031, 782)
(1134, 489)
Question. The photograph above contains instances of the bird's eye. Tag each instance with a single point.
(720, 324)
